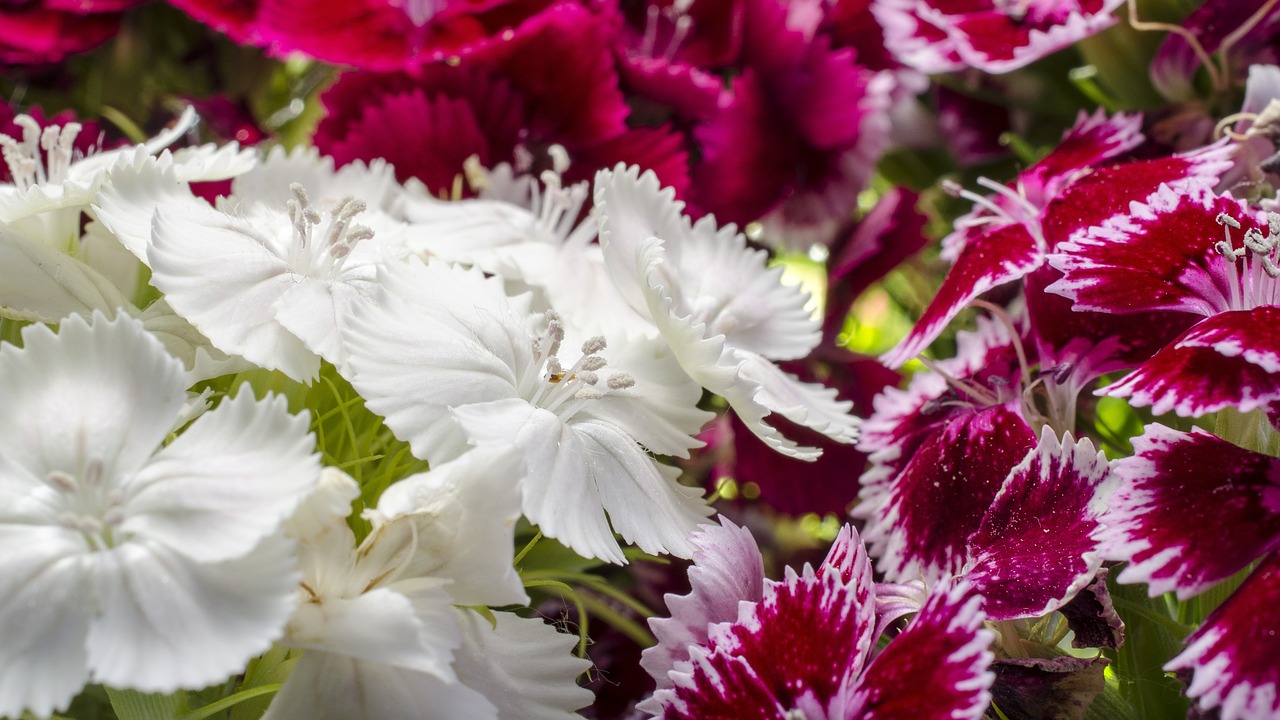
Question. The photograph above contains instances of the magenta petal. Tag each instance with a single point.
(1036, 547)
(849, 556)
(1104, 192)
(1093, 139)
(996, 257)
(1157, 256)
(808, 638)
(937, 669)
(721, 686)
(727, 568)
(932, 508)
(1233, 655)
(1228, 360)
(1191, 512)
(32, 34)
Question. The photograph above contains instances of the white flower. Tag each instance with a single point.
(271, 273)
(535, 244)
(48, 179)
(382, 638)
(725, 314)
(449, 360)
(123, 562)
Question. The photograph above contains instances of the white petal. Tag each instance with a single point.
(436, 338)
(45, 605)
(523, 666)
(645, 503)
(168, 623)
(314, 312)
(380, 626)
(465, 512)
(328, 686)
(559, 493)
(577, 471)
(202, 360)
(135, 187)
(211, 162)
(631, 208)
(269, 182)
(101, 251)
(809, 404)
(41, 284)
(661, 410)
(228, 481)
(225, 275)
(93, 402)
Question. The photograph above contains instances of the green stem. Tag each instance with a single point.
(620, 622)
(229, 701)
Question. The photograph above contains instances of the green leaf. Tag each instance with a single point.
(134, 705)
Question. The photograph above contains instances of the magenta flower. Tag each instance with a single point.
(551, 83)
(741, 646)
(47, 31)
(1176, 540)
(387, 35)
(797, 136)
(943, 35)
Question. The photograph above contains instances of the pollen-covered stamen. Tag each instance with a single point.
(1251, 283)
(564, 391)
(28, 166)
(340, 238)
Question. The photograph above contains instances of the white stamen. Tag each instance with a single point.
(593, 363)
(62, 481)
(593, 345)
(621, 381)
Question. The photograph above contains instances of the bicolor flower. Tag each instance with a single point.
(124, 562)
(450, 361)
(959, 485)
(1195, 253)
(1193, 511)
(993, 36)
(725, 328)
(741, 646)
(1008, 235)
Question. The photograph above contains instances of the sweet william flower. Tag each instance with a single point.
(381, 636)
(742, 646)
(726, 328)
(451, 362)
(125, 563)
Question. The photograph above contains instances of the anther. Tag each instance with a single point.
(61, 481)
(593, 345)
(621, 381)
(593, 362)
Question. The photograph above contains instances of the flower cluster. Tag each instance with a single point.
(685, 359)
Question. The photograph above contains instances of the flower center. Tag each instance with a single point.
(1246, 285)
(28, 166)
(322, 254)
(91, 508)
(564, 391)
